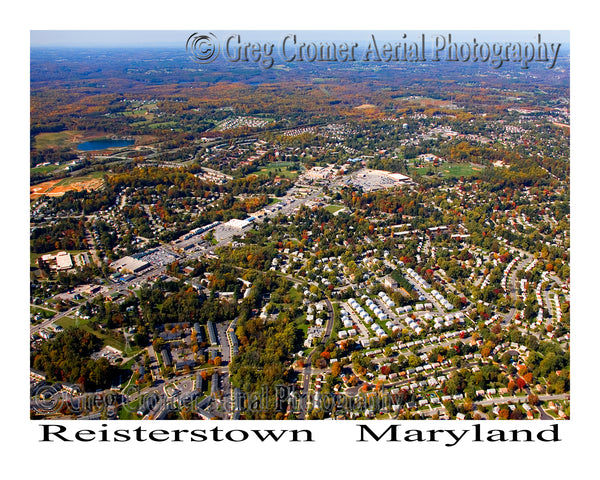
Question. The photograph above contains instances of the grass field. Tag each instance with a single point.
(334, 208)
(45, 169)
(448, 170)
(54, 139)
(128, 411)
(83, 178)
(280, 168)
(139, 113)
(163, 125)
(66, 322)
(44, 312)
(459, 169)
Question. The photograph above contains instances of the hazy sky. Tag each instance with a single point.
(86, 38)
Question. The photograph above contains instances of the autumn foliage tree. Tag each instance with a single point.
(503, 414)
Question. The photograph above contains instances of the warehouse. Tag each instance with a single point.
(130, 264)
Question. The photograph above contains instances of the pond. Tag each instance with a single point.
(103, 144)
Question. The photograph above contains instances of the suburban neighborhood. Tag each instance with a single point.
(314, 250)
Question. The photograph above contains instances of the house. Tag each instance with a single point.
(37, 374)
(166, 357)
(390, 282)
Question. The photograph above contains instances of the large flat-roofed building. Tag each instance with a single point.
(63, 261)
(60, 261)
(130, 264)
(236, 223)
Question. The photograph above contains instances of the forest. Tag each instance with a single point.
(64, 234)
(66, 358)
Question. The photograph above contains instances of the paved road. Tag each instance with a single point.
(307, 372)
(154, 368)
(46, 323)
(512, 287)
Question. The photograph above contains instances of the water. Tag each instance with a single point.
(103, 144)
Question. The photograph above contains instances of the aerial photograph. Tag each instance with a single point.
(300, 225)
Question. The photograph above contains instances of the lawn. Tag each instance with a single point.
(53, 139)
(170, 124)
(280, 168)
(302, 325)
(83, 178)
(128, 411)
(334, 208)
(140, 113)
(67, 322)
(45, 313)
(448, 170)
(460, 169)
(44, 170)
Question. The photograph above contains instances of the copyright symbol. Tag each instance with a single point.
(202, 48)
(47, 400)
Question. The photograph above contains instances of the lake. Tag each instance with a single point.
(103, 144)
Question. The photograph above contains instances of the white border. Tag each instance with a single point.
(334, 455)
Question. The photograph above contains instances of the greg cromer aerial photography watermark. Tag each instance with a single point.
(207, 47)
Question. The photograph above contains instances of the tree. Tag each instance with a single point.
(450, 408)
(504, 414)
(414, 361)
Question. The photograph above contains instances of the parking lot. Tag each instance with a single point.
(158, 256)
(370, 180)
(113, 355)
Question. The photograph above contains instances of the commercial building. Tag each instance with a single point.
(60, 261)
(130, 264)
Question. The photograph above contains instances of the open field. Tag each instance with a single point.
(426, 102)
(57, 188)
(448, 170)
(459, 169)
(171, 124)
(82, 179)
(334, 208)
(280, 168)
(42, 189)
(45, 169)
(67, 322)
(55, 139)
